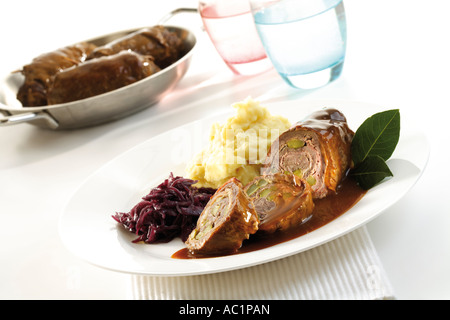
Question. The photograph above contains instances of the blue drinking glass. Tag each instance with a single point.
(304, 39)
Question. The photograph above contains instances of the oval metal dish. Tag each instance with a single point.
(102, 108)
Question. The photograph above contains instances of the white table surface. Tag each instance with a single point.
(397, 56)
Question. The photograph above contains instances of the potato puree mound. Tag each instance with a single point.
(238, 147)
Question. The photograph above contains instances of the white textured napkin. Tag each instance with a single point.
(343, 269)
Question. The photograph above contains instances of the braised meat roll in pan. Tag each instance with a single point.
(281, 201)
(40, 72)
(316, 149)
(94, 110)
(163, 45)
(100, 75)
(227, 220)
(159, 47)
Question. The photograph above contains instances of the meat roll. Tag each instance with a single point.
(163, 45)
(227, 220)
(39, 73)
(316, 149)
(281, 201)
(100, 75)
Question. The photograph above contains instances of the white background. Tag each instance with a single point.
(397, 55)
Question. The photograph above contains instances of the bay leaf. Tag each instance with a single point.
(371, 171)
(378, 135)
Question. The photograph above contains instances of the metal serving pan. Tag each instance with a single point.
(102, 108)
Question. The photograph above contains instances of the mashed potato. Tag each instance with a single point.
(238, 147)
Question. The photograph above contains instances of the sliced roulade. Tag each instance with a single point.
(227, 220)
(281, 201)
(316, 149)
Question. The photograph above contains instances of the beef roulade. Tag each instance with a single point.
(159, 42)
(100, 75)
(227, 220)
(316, 149)
(39, 73)
(281, 201)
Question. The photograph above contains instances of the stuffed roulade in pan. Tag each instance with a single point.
(227, 220)
(163, 45)
(100, 75)
(316, 149)
(281, 201)
(39, 73)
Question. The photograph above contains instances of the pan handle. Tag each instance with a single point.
(168, 16)
(27, 117)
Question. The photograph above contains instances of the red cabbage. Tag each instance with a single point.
(170, 210)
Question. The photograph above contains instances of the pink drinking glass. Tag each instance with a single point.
(230, 26)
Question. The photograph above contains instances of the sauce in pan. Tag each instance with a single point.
(325, 210)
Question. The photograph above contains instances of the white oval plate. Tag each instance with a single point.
(88, 230)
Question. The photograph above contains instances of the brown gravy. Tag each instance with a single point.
(325, 210)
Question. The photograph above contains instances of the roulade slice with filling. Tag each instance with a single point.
(227, 220)
(281, 201)
(317, 149)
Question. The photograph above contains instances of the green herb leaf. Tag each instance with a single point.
(370, 172)
(373, 144)
(378, 135)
